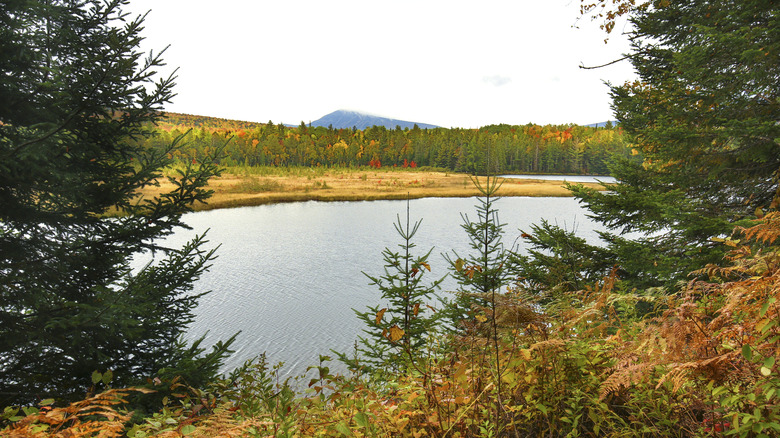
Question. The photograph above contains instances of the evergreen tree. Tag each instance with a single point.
(396, 334)
(77, 95)
(483, 273)
(481, 277)
(704, 115)
(559, 262)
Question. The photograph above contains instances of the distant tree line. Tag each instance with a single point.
(568, 149)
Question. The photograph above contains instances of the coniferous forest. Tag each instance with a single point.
(670, 328)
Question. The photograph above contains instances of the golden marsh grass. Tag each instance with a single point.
(246, 186)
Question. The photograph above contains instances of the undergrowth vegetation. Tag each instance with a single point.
(701, 364)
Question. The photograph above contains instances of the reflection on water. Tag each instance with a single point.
(288, 275)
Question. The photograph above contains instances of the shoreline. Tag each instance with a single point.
(246, 189)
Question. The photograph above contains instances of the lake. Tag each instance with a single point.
(288, 275)
(568, 178)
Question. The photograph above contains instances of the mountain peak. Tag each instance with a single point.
(347, 119)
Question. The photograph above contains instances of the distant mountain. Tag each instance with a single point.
(602, 124)
(343, 119)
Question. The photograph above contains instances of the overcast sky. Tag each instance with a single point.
(445, 62)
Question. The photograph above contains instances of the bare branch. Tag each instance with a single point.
(609, 63)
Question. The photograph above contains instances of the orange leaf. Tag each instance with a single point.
(379, 315)
(396, 333)
(416, 308)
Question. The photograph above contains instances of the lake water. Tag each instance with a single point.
(288, 275)
(568, 178)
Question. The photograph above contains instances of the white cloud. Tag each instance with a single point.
(496, 80)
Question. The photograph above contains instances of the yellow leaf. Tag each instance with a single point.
(380, 314)
(526, 353)
(459, 265)
(396, 333)
(481, 318)
(426, 266)
(416, 309)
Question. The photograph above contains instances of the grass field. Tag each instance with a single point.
(244, 186)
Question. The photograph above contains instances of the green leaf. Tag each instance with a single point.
(46, 402)
(361, 419)
(769, 362)
(747, 352)
(718, 390)
(343, 428)
(96, 377)
(768, 326)
(107, 376)
(765, 307)
(188, 429)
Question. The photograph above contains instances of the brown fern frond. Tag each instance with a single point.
(511, 313)
(549, 345)
(716, 369)
(624, 377)
(766, 231)
(93, 416)
(706, 329)
(593, 313)
(223, 423)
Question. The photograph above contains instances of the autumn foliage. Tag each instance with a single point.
(531, 148)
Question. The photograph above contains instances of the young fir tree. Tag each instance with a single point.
(704, 115)
(76, 93)
(397, 333)
(482, 274)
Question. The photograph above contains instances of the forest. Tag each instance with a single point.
(670, 327)
(530, 148)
